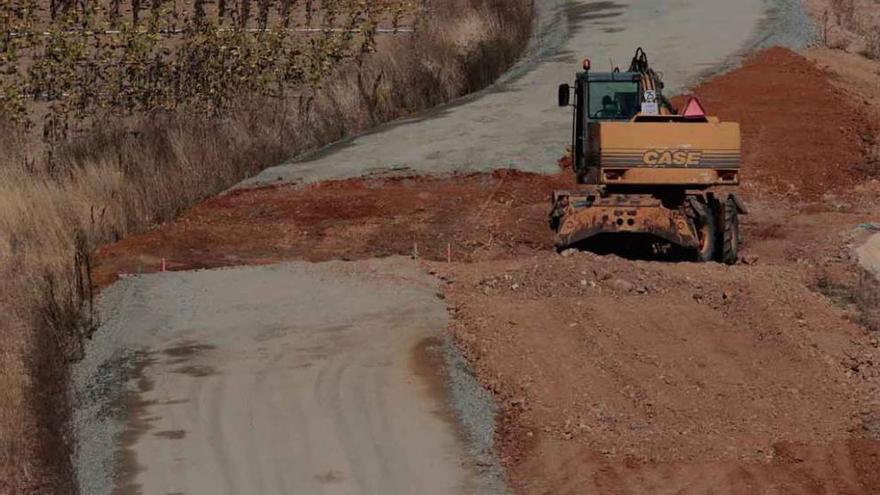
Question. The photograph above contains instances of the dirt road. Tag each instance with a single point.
(296, 378)
(517, 124)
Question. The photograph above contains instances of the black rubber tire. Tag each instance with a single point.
(707, 234)
(730, 236)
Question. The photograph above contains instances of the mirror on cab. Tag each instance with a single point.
(564, 95)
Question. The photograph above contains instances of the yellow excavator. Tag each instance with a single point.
(646, 169)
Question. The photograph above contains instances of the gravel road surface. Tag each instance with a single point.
(516, 123)
(295, 378)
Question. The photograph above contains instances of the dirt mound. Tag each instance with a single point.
(476, 217)
(635, 377)
(801, 135)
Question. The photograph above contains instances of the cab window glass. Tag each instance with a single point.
(613, 100)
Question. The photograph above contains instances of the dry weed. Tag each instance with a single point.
(854, 24)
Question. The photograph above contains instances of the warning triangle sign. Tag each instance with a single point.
(694, 108)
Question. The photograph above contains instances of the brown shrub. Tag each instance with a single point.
(56, 206)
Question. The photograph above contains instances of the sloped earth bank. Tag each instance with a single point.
(859, 79)
(621, 376)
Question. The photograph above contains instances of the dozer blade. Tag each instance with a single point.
(580, 216)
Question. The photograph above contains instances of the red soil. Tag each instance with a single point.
(476, 217)
(632, 377)
(801, 135)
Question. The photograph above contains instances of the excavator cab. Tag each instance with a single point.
(604, 96)
(646, 169)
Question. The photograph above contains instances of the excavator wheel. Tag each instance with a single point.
(707, 235)
(730, 237)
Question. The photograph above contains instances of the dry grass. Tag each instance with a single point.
(868, 300)
(128, 175)
(853, 25)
